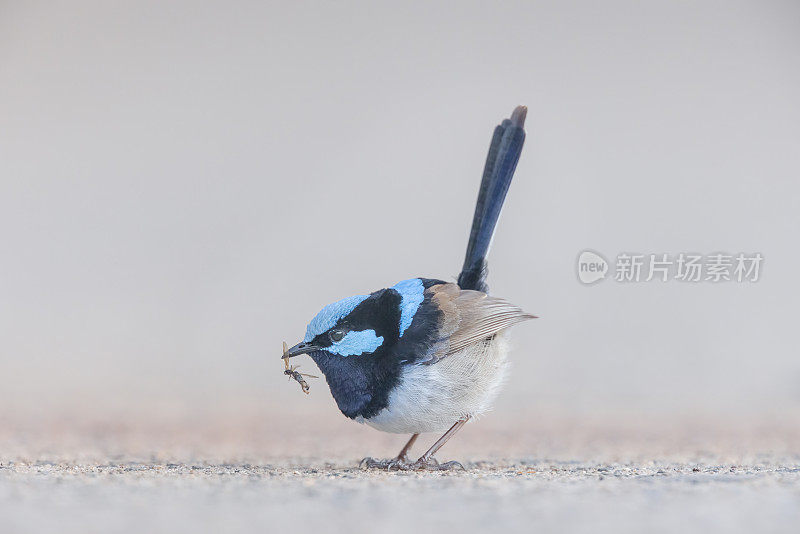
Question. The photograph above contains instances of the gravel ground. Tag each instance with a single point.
(575, 477)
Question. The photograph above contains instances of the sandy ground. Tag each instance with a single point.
(551, 474)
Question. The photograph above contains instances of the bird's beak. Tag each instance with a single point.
(300, 348)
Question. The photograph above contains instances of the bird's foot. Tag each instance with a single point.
(432, 464)
(400, 463)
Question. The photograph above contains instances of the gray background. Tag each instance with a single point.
(184, 185)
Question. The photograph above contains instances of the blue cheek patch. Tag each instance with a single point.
(330, 315)
(356, 342)
(412, 292)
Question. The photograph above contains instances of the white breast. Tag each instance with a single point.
(430, 398)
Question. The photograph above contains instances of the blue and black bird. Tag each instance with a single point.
(425, 355)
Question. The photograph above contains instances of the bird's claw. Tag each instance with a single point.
(402, 464)
(432, 464)
(398, 464)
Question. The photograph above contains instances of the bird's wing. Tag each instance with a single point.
(469, 317)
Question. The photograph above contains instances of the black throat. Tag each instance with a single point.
(360, 385)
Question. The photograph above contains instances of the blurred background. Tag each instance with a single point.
(184, 185)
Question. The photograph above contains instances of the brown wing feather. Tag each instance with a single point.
(470, 317)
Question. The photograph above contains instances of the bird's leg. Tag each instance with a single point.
(427, 461)
(401, 462)
(403, 456)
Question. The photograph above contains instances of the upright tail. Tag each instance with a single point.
(501, 162)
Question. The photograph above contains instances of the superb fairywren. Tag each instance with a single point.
(425, 355)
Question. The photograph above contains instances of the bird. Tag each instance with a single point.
(425, 355)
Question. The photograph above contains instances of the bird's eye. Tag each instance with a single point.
(336, 335)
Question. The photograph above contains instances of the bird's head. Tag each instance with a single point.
(363, 324)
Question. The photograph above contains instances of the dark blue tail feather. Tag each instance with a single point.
(501, 162)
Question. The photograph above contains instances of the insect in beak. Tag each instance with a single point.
(292, 373)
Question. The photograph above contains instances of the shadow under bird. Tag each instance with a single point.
(425, 355)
